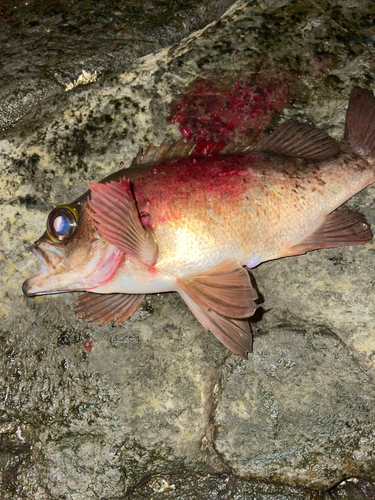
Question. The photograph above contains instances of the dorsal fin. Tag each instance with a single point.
(300, 140)
(166, 151)
(183, 149)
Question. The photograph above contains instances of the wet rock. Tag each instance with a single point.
(298, 411)
(224, 486)
(50, 47)
(105, 412)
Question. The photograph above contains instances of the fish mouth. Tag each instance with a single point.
(54, 278)
(29, 285)
(51, 261)
(26, 289)
(48, 266)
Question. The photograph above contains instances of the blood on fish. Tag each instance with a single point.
(217, 183)
(240, 173)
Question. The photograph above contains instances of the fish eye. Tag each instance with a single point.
(62, 223)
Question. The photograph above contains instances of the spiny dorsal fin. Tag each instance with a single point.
(300, 140)
(166, 151)
(182, 149)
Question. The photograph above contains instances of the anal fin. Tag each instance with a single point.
(234, 334)
(341, 228)
(115, 307)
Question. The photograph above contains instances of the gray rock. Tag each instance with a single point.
(299, 411)
(48, 47)
(89, 412)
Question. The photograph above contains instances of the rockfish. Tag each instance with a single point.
(187, 217)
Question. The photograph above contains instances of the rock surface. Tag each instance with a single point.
(50, 46)
(157, 407)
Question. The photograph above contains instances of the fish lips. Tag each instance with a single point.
(31, 288)
(28, 287)
(56, 278)
(50, 263)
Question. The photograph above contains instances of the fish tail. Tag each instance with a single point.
(359, 133)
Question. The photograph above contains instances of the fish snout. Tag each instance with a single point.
(26, 289)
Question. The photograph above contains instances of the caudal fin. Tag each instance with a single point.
(359, 133)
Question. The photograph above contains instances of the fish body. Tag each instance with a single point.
(181, 221)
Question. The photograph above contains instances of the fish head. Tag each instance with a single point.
(74, 256)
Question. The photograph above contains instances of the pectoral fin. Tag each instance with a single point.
(224, 288)
(115, 216)
(341, 228)
(115, 307)
(234, 334)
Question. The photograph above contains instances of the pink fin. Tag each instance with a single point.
(300, 140)
(115, 307)
(341, 228)
(115, 216)
(224, 288)
(234, 334)
(360, 122)
(166, 151)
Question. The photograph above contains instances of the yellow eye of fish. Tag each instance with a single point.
(62, 223)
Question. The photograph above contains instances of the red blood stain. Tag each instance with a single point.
(88, 345)
(236, 108)
(207, 148)
(240, 173)
(336, 346)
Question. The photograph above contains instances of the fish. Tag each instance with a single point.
(193, 217)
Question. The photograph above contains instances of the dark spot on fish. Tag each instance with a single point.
(361, 166)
